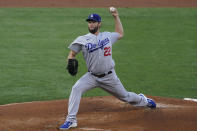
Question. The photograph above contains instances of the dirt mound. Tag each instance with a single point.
(101, 113)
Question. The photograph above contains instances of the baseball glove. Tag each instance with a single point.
(72, 66)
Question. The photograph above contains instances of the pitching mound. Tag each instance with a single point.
(101, 114)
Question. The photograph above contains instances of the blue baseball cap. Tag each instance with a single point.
(94, 17)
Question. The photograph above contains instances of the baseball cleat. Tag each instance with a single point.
(150, 103)
(67, 125)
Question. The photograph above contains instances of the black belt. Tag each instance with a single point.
(102, 75)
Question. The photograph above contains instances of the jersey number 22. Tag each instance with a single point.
(107, 51)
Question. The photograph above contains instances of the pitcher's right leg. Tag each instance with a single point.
(85, 83)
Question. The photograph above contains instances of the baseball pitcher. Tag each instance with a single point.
(96, 47)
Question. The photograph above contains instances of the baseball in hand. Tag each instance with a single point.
(112, 9)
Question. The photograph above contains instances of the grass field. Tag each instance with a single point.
(157, 56)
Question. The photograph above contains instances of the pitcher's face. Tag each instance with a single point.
(93, 26)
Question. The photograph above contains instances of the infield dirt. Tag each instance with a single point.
(100, 113)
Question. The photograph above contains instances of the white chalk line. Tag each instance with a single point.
(190, 99)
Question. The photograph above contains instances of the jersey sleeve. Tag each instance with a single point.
(114, 37)
(76, 45)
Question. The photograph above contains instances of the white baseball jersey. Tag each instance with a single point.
(97, 50)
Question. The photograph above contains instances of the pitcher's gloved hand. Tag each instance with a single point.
(72, 66)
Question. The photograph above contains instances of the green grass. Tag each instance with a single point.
(157, 56)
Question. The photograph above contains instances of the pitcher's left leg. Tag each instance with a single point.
(113, 85)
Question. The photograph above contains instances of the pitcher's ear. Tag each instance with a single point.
(100, 24)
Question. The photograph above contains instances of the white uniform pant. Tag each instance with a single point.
(109, 83)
